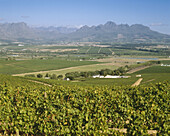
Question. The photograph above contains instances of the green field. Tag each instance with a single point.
(154, 78)
(38, 109)
(107, 82)
(93, 50)
(24, 66)
(84, 68)
(18, 82)
(155, 69)
(84, 105)
(132, 52)
(165, 61)
(154, 74)
(89, 82)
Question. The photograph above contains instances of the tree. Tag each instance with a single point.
(71, 77)
(97, 72)
(159, 62)
(109, 72)
(60, 76)
(121, 70)
(53, 76)
(39, 75)
(117, 72)
(47, 75)
(103, 72)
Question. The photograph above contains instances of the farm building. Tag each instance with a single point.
(98, 76)
(46, 77)
(166, 65)
(67, 79)
(109, 76)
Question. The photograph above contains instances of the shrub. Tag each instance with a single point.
(39, 75)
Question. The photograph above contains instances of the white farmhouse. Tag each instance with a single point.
(109, 76)
(165, 65)
(96, 76)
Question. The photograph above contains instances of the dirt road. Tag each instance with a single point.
(40, 83)
(137, 82)
(137, 69)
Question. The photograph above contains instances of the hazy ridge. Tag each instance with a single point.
(108, 32)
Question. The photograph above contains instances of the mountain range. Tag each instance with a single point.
(108, 32)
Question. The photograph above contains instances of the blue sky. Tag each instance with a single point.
(153, 13)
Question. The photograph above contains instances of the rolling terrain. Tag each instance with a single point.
(39, 100)
(23, 66)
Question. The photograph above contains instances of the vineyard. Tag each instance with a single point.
(17, 82)
(64, 110)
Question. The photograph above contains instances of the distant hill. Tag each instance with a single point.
(118, 33)
(22, 32)
(109, 32)
(64, 30)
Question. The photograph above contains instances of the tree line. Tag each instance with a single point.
(120, 71)
(47, 76)
(87, 74)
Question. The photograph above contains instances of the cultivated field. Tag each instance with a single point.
(24, 66)
(153, 74)
(62, 58)
(84, 106)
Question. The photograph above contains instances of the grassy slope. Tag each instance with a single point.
(85, 68)
(165, 61)
(18, 82)
(23, 66)
(150, 75)
(154, 74)
(89, 82)
(146, 75)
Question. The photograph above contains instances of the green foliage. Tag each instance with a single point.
(84, 111)
(30, 75)
(53, 76)
(47, 75)
(39, 76)
(104, 72)
(60, 76)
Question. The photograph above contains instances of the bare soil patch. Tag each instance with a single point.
(58, 50)
(137, 69)
(137, 82)
(40, 83)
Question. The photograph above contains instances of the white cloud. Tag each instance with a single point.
(79, 26)
(158, 24)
